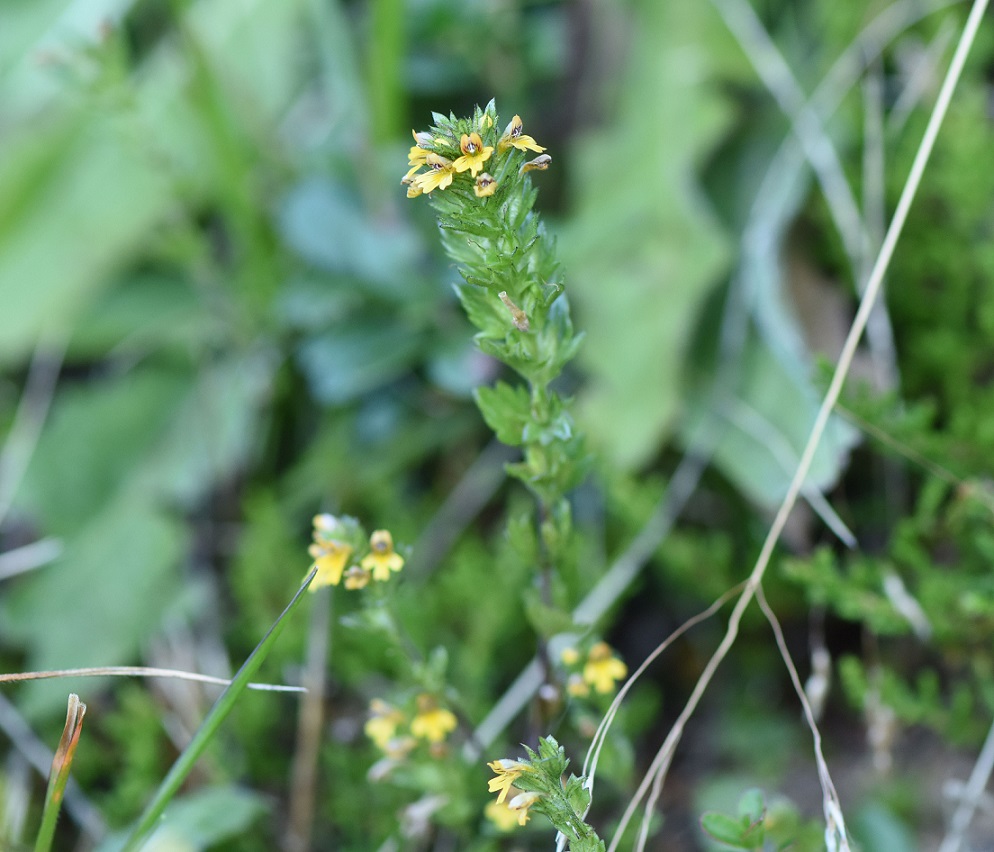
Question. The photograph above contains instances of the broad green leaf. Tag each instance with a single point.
(643, 249)
(92, 197)
(101, 601)
(729, 830)
(327, 225)
(200, 820)
(875, 826)
(761, 427)
(97, 434)
(80, 193)
(346, 363)
(212, 432)
(752, 805)
(141, 313)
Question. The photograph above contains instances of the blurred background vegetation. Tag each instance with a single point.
(219, 314)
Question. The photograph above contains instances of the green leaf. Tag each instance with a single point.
(347, 363)
(91, 198)
(875, 826)
(506, 410)
(201, 820)
(484, 310)
(327, 225)
(102, 600)
(752, 806)
(98, 431)
(643, 250)
(729, 830)
(206, 733)
(547, 621)
(763, 424)
(82, 191)
(213, 431)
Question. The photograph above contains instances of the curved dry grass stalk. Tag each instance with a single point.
(835, 831)
(139, 671)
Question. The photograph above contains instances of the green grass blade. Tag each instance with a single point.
(59, 776)
(218, 713)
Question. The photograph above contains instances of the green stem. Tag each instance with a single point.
(218, 713)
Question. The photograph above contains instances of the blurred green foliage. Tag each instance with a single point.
(205, 246)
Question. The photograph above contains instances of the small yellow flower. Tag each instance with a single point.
(433, 723)
(501, 815)
(356, 578)
(540, 163)
(413, 187)
(330, 560)
(486, 122)
(382, 559)
(324, 522)
(382, 725)
(577, 686)
(416, 158)
(507, 772)
(399, 747)
(421, 140)
(514, 137)
(439, 175)
(485, 185)
(522, 802)
(603, 669)
(474, 154)
(569, 656)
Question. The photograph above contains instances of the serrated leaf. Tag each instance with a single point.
(484, 310)
(506, 410)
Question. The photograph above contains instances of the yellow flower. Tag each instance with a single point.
(514, 137)
(383, 724)
(439, 175)
(522, 802)
(507, 772)
(331, 559)
(485, 185)
(356, 578)
(603, 669)
(413, 187)
(569, 655)
(577, 686)
(501, 815)
(382, 559)
(474, 154)
(433, 723)
(417, 158)
(324, 522)
(540, 163)
(399, 747)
